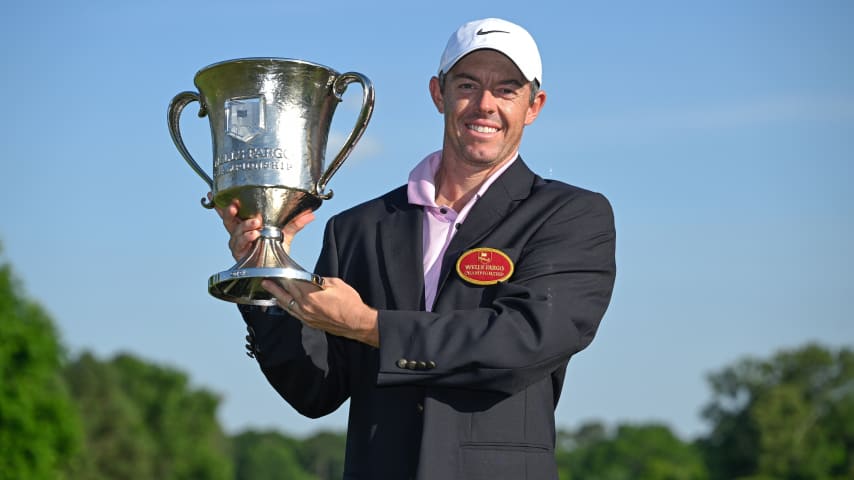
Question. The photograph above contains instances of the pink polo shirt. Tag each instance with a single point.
(440, 221)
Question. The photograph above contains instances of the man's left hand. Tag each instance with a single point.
(336, 308)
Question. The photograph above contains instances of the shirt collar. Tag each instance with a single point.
(421, 190)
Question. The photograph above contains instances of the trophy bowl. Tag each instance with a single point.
(270, 121)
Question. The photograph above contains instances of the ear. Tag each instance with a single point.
(536, 107)
(436, 95)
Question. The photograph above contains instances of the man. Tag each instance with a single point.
(451, 305)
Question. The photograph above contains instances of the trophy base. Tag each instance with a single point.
(267, 259)
(243, 285)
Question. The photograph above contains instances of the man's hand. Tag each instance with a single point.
(242, 233)
(337, 308)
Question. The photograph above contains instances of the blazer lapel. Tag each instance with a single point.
(401, 249)
(499, 200)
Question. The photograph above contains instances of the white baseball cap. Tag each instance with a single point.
(495, 34)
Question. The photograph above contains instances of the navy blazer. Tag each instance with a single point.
(467, 391)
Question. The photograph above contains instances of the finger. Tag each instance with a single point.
(283, 298)
(297, 224)
(303, 219)
(242, 242)
(230, 218)
(243, 236)
(230, 215)
(275, 289)
(303, 291)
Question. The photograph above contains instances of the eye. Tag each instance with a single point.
(466, 86)
(507, 92)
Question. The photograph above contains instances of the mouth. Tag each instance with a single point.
(481, 128)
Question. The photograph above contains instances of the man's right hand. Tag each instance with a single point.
(242, 233)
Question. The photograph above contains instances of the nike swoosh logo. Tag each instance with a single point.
(487, 32)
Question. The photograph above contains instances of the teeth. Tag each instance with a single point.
(482, 129)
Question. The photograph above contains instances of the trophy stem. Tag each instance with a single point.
(267, 259)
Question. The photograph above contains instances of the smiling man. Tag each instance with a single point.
(451, 305)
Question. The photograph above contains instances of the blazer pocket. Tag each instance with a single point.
(499, 461)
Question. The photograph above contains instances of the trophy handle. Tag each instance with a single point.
(176, 106)
(339, 86)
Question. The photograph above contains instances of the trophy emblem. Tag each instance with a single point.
(270, 121)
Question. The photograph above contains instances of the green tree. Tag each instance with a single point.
(323, 455)
(39, 431)
(145, 421)
(118, 443)
(267, 456)
(632, 452)
(190, 443)
(790, 417)
(271, 455)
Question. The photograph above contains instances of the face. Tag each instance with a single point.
(486, 102)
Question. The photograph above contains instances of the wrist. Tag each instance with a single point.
(368, 330)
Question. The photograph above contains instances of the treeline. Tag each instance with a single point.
(787, 417)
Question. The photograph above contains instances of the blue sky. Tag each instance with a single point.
(722, 132)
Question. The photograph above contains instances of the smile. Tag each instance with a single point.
(481, 128)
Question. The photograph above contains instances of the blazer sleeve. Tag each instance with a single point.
(305, 366)
(519, 331)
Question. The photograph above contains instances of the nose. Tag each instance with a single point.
(486, 102)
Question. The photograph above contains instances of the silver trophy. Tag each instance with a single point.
(270, 120)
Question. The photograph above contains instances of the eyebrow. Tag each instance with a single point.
(511, 81)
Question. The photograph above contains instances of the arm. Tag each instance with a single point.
(293, 357)
(298, 361)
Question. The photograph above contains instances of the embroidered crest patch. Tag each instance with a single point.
(484, 266)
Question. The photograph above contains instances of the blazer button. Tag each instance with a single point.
(411, 365)
(401, 363)
(250, 339)
(431, 364)
(420, 407)
(422, 365)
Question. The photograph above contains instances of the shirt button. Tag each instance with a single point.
(443, 210)
(401, 363)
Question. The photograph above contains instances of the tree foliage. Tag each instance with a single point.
(272, 455)
(322, 454)
(789, 417)
(631, 452)
(267, 456)
(118, 442)
(144, 421)
(39, 430)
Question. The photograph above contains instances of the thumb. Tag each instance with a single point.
(294, 226)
